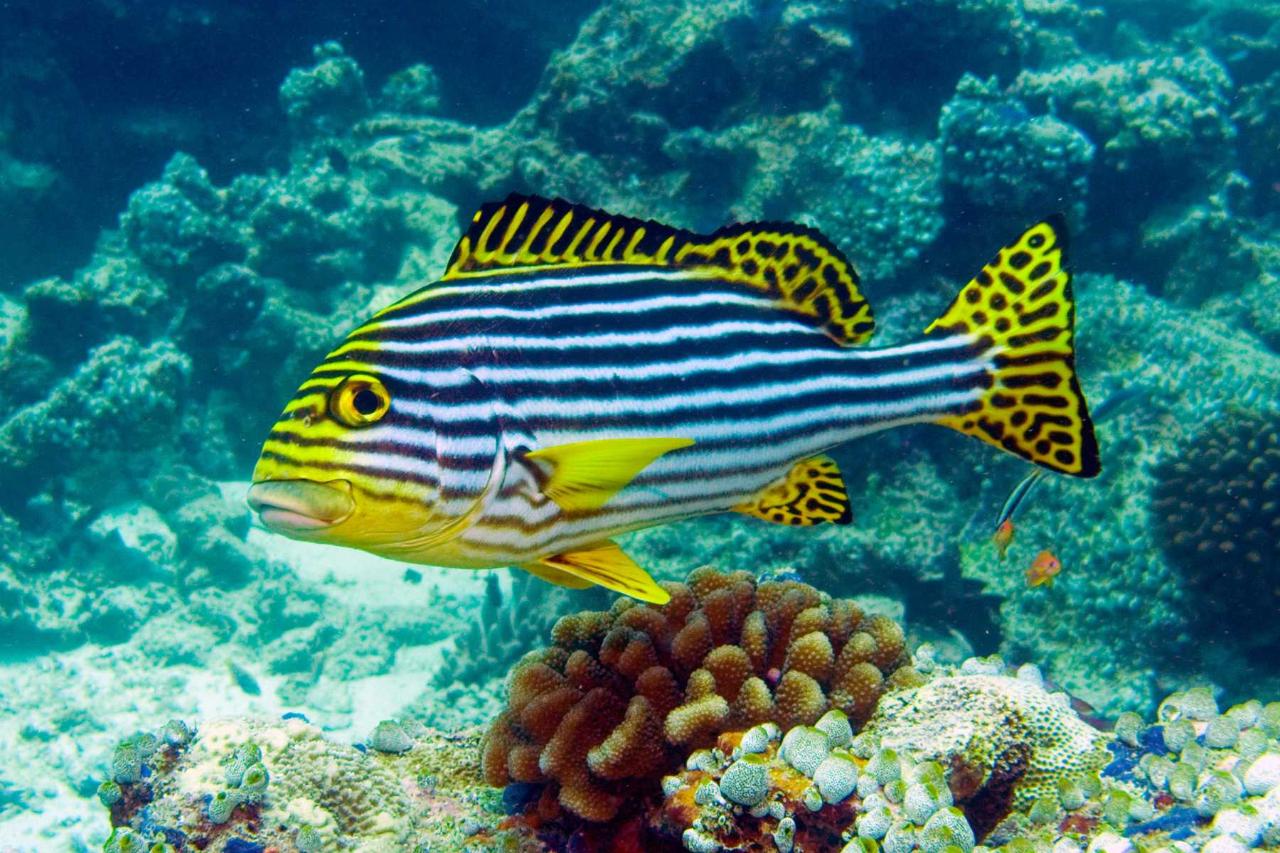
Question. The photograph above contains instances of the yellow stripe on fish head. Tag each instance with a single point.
(330, 472)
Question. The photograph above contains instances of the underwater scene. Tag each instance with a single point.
(605, 426)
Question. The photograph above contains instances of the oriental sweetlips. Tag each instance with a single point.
(576, 374)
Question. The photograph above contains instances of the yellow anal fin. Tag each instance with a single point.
(606, 565)
(1020, 312)
(584, 475)
(812, 492)
(555, 576)
(794, 265)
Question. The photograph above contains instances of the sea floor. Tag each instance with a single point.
(62, 713)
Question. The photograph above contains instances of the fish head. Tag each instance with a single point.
(346, 465)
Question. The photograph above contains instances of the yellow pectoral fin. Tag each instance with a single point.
(604, 564)
(812, 492)
(586, 474)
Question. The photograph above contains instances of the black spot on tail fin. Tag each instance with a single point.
(1020, 309)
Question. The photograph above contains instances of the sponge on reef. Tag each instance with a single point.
(621, 696)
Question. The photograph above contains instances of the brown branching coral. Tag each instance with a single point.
(622, 696)
(1216, 512)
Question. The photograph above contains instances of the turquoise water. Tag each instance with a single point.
(201, 200)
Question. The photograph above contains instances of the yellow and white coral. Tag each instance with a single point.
(978, 718)
(339, 791)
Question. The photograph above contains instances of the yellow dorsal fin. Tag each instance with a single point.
(606, 565)
(585, 474)
(812, 492)
(795, 265)
(1019, 310)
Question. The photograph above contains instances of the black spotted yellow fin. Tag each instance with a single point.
(603, 564)
(795, 265)
(584, 475)
(812, 492)
(1019, 310)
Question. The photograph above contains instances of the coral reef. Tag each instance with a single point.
(1006, 166)
(607, 709)
(143, 363)
(1216, 510)
(237, 785)
(924, 776)
(1166, 116)
(981, 725)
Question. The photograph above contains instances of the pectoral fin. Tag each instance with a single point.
(812, 492)
(604, 564)
(586, 474)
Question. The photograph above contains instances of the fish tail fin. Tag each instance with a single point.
(1020, 314)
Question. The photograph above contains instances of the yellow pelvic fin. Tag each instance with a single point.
(1019, 310)
(586, 474)
(603, 564)
(794, 265)
(812, 492)
(555, 576)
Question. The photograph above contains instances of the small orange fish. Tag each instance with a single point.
(1003, 536)
(1044, 568)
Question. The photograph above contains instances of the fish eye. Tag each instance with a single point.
(360, 401)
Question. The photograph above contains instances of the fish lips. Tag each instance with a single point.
(301, 506)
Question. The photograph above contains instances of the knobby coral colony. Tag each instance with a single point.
(1216, 510)
(622, 696)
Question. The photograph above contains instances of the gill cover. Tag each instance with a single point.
(470, 465)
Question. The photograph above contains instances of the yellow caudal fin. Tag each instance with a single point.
(1019, 310)
(812, 492)
(603, 564)
(583, 475)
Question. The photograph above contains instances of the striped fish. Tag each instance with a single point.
(576, 374)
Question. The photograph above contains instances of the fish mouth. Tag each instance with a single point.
(289, 506)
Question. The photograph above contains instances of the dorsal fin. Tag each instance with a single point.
(794, 264)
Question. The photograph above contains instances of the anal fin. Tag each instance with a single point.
(603, 564)
(812, 492)
(556, 576)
